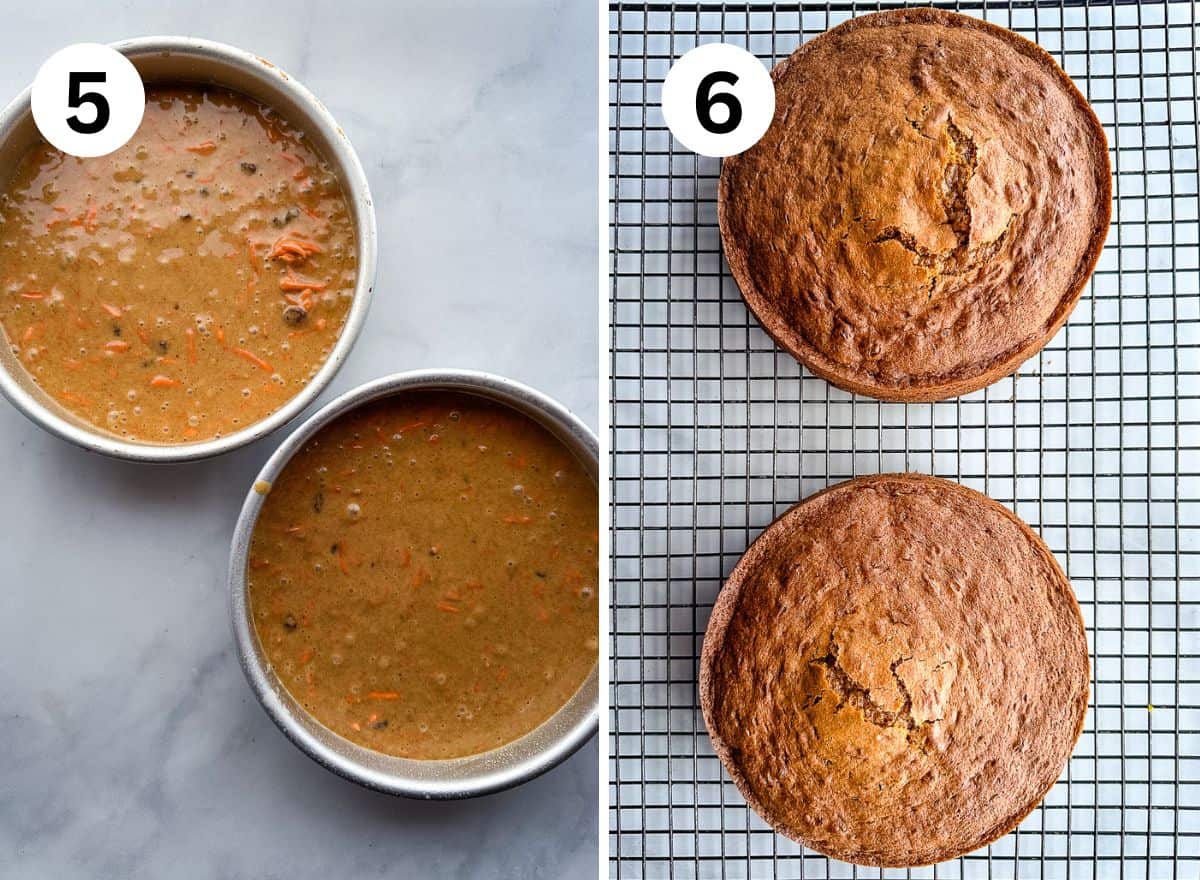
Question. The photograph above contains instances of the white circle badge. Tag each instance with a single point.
(718, 100)
(88, 99)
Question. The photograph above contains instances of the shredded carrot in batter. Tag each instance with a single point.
(254, 359)
(294, 250)
(292, 282)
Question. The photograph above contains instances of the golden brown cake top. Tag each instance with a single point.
(926, 207)
(895, 672)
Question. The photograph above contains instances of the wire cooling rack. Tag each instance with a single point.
(1095, 443)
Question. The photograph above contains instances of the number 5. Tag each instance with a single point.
(77, 99)
(705, 102)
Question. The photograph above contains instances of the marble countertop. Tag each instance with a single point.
(130, 744)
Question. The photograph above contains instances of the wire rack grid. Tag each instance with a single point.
(1094, 442)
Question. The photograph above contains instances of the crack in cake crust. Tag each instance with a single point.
(962, 258)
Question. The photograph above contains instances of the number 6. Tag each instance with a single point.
(705, 102)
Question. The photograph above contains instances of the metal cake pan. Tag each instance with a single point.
(187, 59)
(530, 755)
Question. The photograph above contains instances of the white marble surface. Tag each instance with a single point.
(130, 745)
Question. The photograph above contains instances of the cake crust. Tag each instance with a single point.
(896, 671)
(925, 209)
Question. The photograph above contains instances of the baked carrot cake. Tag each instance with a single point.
(925, 209)
(895, 672)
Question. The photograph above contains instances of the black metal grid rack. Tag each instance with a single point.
(1096, 443)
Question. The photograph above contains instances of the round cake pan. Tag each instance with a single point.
(518, 761)
(186, 59)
